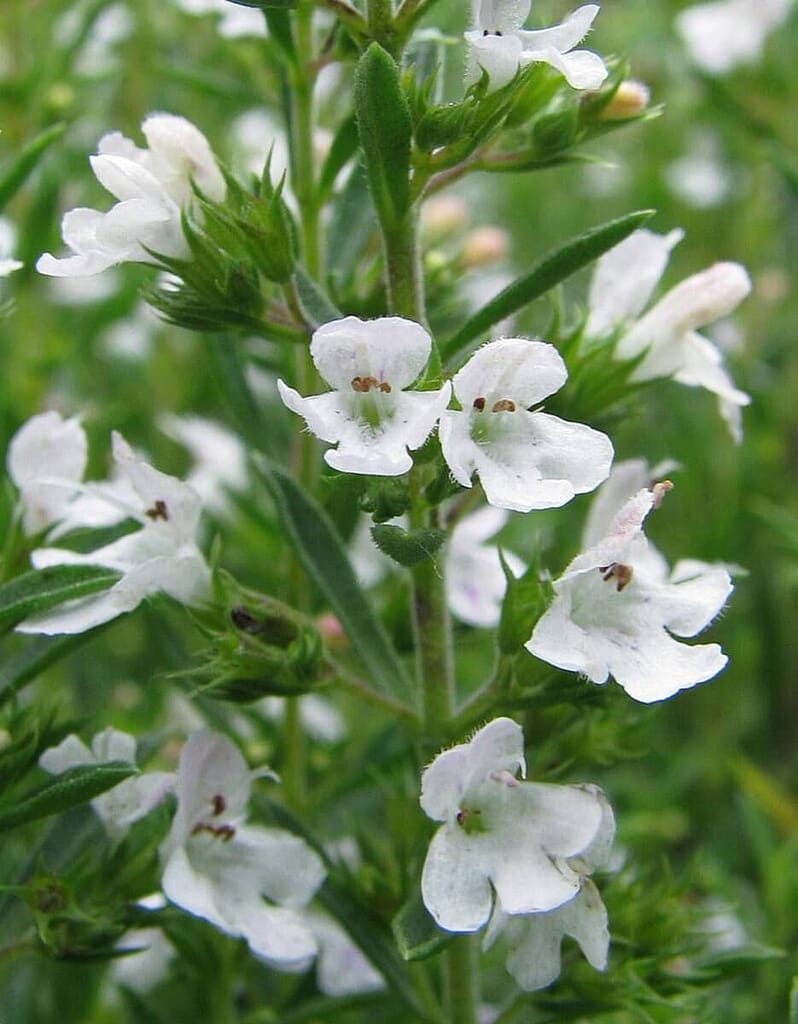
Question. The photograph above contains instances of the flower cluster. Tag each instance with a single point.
(507, 848)
(153, 186)
(47, 460)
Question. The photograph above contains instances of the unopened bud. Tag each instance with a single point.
(332, 631)
(630, 98)
(443, 216)
(483, 246)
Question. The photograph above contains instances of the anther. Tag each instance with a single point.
(504, 405)
(219, 805)
(479, 404)
(660, 490)
(365, 384)
(158, 511)
(622, 574)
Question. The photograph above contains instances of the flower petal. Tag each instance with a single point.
(523, 371)
(566, 35)
(391, 350)
(454, 884)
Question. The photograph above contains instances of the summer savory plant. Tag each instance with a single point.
(361, 556)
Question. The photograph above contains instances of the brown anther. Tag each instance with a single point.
(223, 832)
(365, 384)
(479, 404)
(622, 574)
(219, 805)
(158, 511)
(504, 405)
(660, 490)
(462, 816)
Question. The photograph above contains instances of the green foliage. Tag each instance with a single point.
(36, 592)
(384, 127)
(407, 547)
(76, 786)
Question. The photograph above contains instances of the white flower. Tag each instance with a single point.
(149, 964)
(615, 609)
(119, 807)
(519, 839)
(152, 185)
(8, 240)
(475, 581)
(722, 34)
(525, 460)
(247, 880)
(534, 959)
(666, 336)
(500, 46)
(220, 459)
(341, 968)
(369, 414)
(235, 21)
(46, 460)
(161, 556)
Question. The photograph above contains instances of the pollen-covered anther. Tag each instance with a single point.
(503, 405)
(158, 511)
(660, 490)
(365, 384)
(223, 832)
(622, 574)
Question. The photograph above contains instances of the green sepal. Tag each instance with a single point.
(74, 787)
(416, 934)
(408, 548)
(524, 602)
(13, 176)
(38, 591)
(546, 274)
(554, 133)
(386, 498)
(385, 130)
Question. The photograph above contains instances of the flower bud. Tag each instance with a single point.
(630, 99)
(483, 246)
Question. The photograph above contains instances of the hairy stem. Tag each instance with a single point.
(462, 980)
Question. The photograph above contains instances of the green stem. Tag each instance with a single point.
(462, 980)
(432, 631)
(303, 80)
(403, 269)
(381, 26)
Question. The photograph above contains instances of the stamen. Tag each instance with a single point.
(504, 405)
(223, 832)
(158, 511)
(219, 805)
(622, 574)
(365, 384)
(479, 404)
(660, 490)
(462, 816)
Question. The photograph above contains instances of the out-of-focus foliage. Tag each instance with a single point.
(705, 786)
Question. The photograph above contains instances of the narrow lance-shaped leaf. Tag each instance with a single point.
(76, 786)
(548, 272)
(35, 592)
(13, 176)
(385, 128)
(316, 306)
(416, 934)
(36, 656)
(320, 549)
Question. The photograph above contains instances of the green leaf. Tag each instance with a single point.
(794, 1001)
(38, 591)
(13, 176)
(416, 934)
(548, 272)
(36, 656)
(343, 148)
(229, 372)
(385, 128)
(76, 786)
(407, 547)
(321, 550)
(353, 224)
(316, 307)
